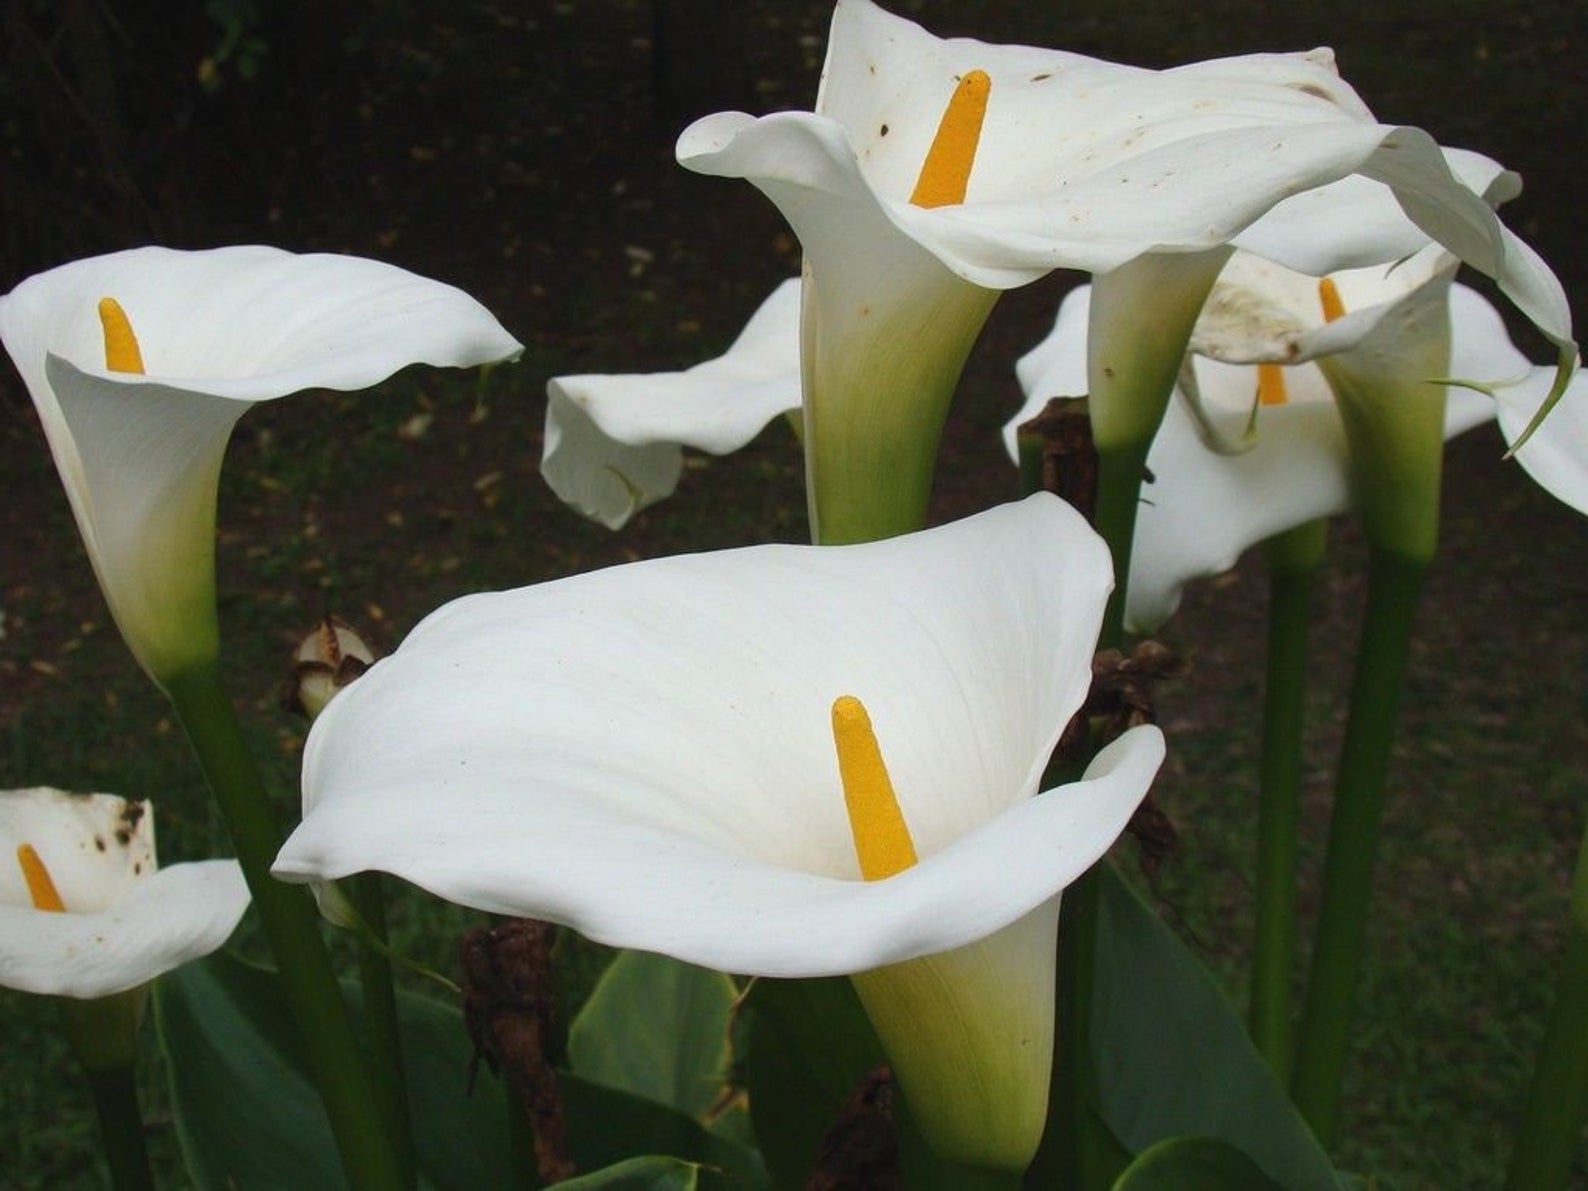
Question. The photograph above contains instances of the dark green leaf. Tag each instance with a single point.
(247, 1116)
(638, 1174)
(1173, 1060)
(809, 1045)
(1194, 1164)
(658, 1028)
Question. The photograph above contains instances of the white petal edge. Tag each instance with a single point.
(694, 902)
(179, 914)
(612, 442)
(251, 322)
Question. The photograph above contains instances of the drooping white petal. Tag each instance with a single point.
(613, 442)
(645, 753)
(219, 330)
(1203, 509)
(125, 923)
(1556, 456)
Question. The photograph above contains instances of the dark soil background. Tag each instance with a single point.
(523, 151)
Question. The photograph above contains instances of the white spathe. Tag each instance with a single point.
(1090, 165)
(126, 921)
(614, 442)
(220, 330)
(1206, 506)
(645, 754)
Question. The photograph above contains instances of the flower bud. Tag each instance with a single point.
(329, 658)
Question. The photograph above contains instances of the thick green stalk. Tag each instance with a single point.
(115, 1095)
(380, 1011)
(1394, 588)
(292, 927)
(1293, 560)
(1120, 473)
(1557, 1105)
(1080, 1156)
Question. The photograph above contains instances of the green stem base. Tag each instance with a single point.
(1394, 590)
(121, 1133)
(292, 927)
(1293, 558)
(1557, 1104)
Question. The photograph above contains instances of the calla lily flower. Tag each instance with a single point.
(138, 405)
(84, 911)
(665, 756)
(1145, 178)
(1229, 473)
(614, 443)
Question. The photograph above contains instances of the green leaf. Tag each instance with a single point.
(245, 1114)
(1172, 1059)
(607, 1126)
(809, 1045)
(248, 1117)
(1194, 1164)
(658, 1028)
(638, 1174)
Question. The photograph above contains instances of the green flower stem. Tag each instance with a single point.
(1293, 561)
(1121, 469)
(1073, 1154)
(115, 1093)
(380, 1010)
(1394, 587)
(292, 926)
(520, 1140)
(1557, 1105)
(1081, 1154)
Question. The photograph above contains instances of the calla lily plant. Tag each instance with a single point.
(85, 912)
(138, 396)
(779, 761)
(1257, 444)
(934, 173)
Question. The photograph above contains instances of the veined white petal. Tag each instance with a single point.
(613, 442)
(645, 753)
(124, 923)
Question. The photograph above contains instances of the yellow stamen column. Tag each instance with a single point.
(945, 174)
(969, 1032)
(41, 888)
(882, 841)
(122, 353)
